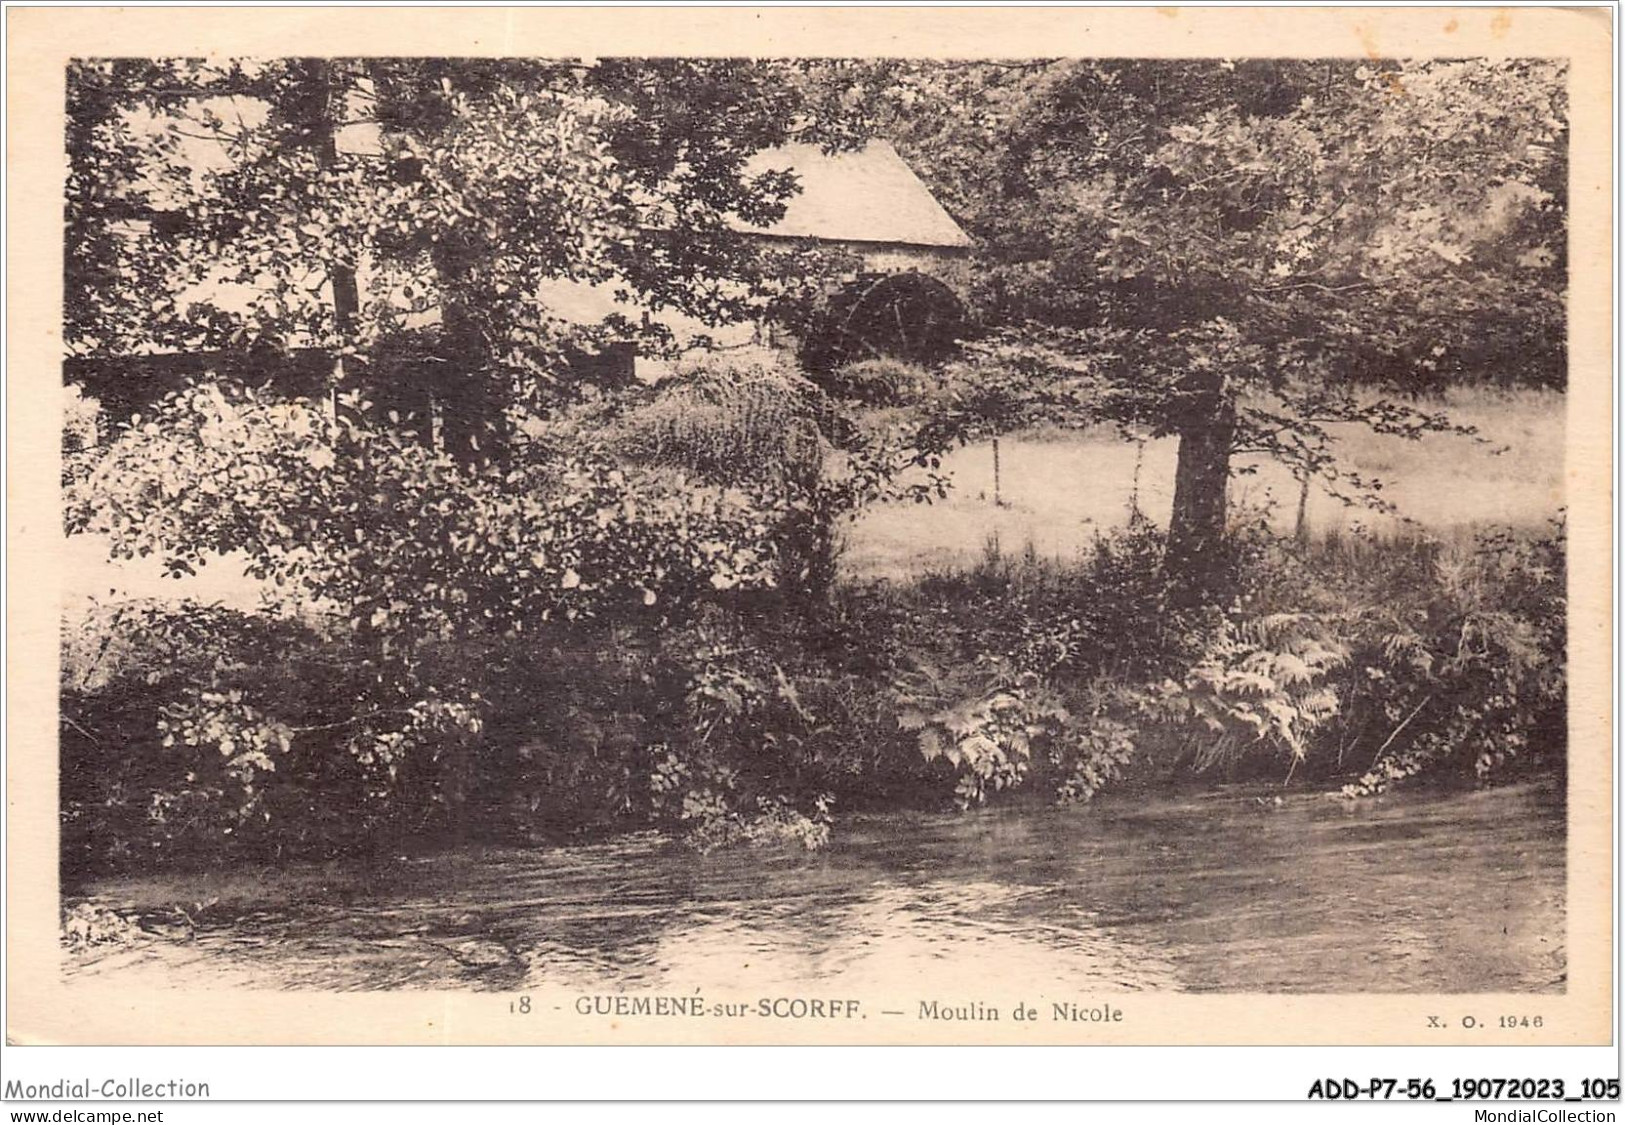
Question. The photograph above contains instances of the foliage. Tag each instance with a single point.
(1440, 662)
(402, 540)
(1363, 663)
(879, 382)
(731, 426)
(1234, 246)
(986, 737)
(1357, 220)
(223, 204)
(501, 638)
(191, 734)
(82, 423)
(171, 737)
(577, 604)
(1472, 676)
(771, 822)
(1014, 380)
(774, 431)
(1263, 681)
(411, 562)
(1022, 670)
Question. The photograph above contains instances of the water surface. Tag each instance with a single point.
(1222, 893)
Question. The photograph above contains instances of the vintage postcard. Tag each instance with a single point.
(817, 526)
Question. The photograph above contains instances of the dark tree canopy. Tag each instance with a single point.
(1241, 253)
(376, 205)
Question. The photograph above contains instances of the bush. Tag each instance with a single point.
(192, 735)
(409, 544)
(529, 645)
(191, 732)
(177, 741)
(1262, 689)
(557, 647)
(1367, 660)
(1022, 671)
(879, 382)
(1468, 675)
(730, 426)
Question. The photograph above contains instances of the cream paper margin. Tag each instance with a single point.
(43, 1009)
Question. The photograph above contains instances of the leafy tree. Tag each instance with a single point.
(474, 181)
(1239, 249)
(229, 210)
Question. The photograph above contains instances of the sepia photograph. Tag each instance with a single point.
(889, 546)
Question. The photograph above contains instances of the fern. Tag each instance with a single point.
(731, 426)
(1263, 681)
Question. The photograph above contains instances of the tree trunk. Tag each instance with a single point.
(310, 103)
(1197, 556)
(470, 414)
(470, 417)
(321, 123)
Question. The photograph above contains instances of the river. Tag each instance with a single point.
(1227, 892)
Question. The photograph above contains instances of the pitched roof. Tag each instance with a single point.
(870, 195)
(867, 195)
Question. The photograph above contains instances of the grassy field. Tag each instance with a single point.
(1060, 488)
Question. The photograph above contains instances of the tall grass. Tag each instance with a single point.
(751, 425)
